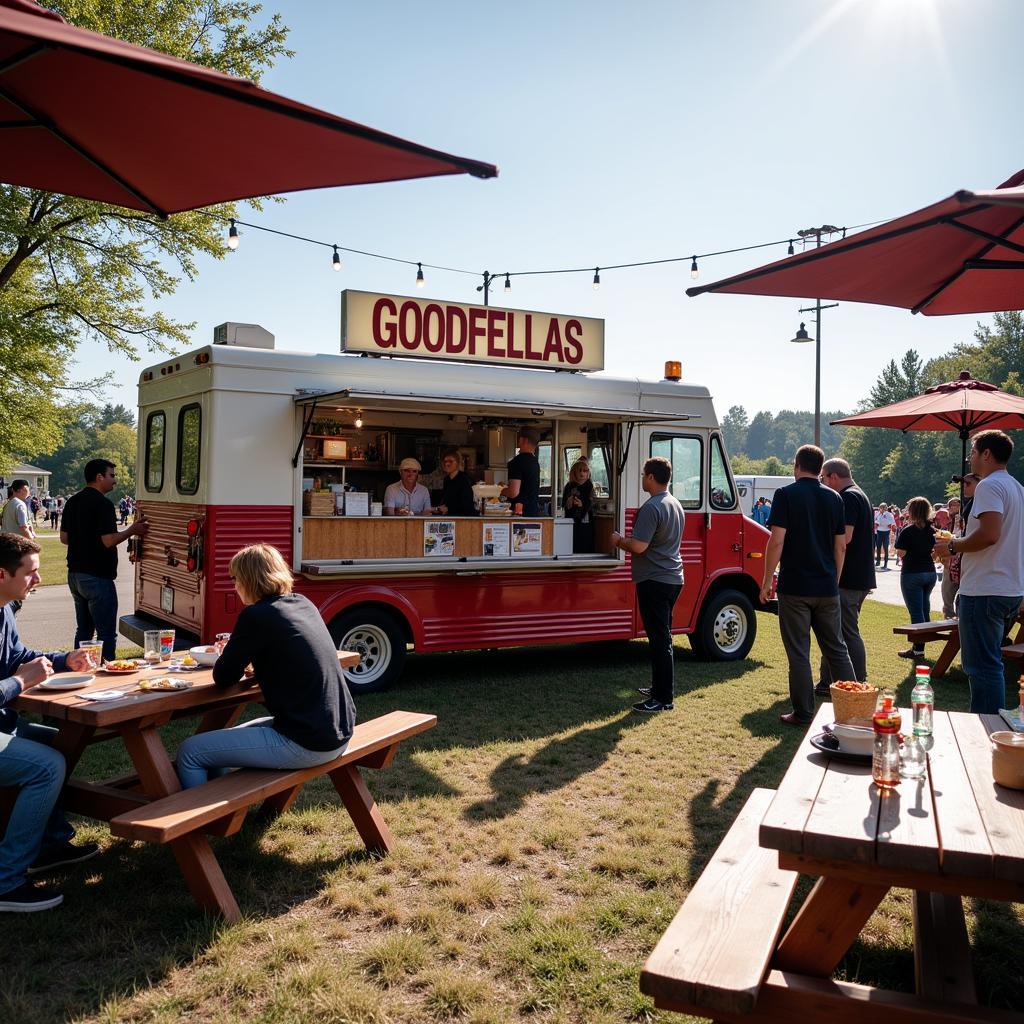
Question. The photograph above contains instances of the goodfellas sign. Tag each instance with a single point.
(397, 325)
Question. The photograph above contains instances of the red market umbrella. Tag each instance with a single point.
(964, 405)
(94, 117)
(964, 254)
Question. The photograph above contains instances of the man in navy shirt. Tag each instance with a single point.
(38, 836)
(808, 542)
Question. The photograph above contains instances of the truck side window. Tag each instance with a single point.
(189, 437)
(685, 454)
(722, 496)
(156, 433)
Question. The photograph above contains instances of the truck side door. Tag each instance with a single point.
(724, 541)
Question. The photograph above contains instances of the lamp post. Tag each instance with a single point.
(489, 284)
(802, 335)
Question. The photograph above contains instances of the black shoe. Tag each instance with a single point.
(645, 690)
(61, 856)
(911, 653)
(652, 705)
(823, 691)
(27, 900)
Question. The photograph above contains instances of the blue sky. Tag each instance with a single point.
(631, 132)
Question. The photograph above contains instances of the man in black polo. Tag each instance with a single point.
(858, 577)
(523, 487)
(89, 529)
(807, 542)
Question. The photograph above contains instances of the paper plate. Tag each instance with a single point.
(67, 681)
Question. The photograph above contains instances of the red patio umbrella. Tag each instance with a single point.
(964, 405)
(98, 118)
(964, 254)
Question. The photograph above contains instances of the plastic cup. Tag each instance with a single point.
(166, 644)
(151, 646)
(94, 651)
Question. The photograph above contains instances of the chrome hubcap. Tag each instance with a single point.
(372, 645)
(730, 628)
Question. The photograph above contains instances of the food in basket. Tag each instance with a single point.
(121, 665)
(852, 700)
(164, 683)
(852, 686)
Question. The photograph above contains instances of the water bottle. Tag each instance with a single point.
(922, 698)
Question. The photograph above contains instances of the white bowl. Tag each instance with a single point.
(204, 655)
(854, 739)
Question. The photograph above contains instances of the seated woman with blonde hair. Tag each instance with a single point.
(295, 662)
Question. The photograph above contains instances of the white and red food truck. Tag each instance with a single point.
(240, 442)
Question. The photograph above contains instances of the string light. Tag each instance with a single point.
(419, 275)
(336, 260)
(597, 278)
(693, 269)
(789, 252)
(508, 283)
(232, 236)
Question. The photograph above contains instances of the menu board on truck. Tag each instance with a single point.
(526, 538)
(496, 542)
(438, 538)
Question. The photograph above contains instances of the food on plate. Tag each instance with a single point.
(189, 660)
(120, 665)
(164, 683)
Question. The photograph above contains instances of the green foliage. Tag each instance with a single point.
(73, 270)
(776, 436)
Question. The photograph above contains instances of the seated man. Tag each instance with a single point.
(407, 497)
(38, 836)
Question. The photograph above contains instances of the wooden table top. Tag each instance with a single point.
(72, 706)
(955, 823)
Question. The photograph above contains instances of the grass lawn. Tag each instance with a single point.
(53, 563)
(547, 835)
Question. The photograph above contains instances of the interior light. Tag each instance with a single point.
(597, 278)
(336, 260)
(232, 235)
(359, 419)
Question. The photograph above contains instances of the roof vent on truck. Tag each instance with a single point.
(245, 335)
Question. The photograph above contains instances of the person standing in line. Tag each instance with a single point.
(917, 577)
(948, 585)
(808, 543)
(88, 528)
(16, 517)
(523, 487)
(657, 569)
(992, 570)
(884, 522)
(858, 576)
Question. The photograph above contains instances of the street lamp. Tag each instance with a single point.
(802, 335)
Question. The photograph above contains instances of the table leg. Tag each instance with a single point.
(826, 926)
(362, 808)
(949, 652)
(195, 857)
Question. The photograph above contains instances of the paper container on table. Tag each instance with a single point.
(849, 706)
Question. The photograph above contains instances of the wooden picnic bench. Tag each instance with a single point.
(150, 805)
(948, 630)
(952, 835)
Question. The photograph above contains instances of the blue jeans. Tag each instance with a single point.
(917, 590)
(95, 610)
(984, 622)
(257, 744)
(881, 546)
(28, 763)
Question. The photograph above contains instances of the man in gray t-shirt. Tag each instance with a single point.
(658, 574)
(16, 516)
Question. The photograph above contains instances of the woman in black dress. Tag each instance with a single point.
(457, 494)
(917, 580)
(577, 501)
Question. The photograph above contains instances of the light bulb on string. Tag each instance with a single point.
(232, 235)
(790, 247)
(336, 260)
(694, 272)
(597, 278)
(508, 283)
(419, 275)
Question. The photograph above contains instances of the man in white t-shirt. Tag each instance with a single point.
(16, 517)
(991, 569)
(884, 522)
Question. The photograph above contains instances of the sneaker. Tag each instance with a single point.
(27, 900)
(652, 705)
(61, 856)
(910, 653)
(644, 690)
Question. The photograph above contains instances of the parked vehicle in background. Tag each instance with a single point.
(750, 488)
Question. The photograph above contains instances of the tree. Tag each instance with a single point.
(759, 435)
(71, 269)
(734, 429)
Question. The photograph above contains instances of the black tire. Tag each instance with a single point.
(379, 639)
(726, 628)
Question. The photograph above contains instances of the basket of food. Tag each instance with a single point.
(853, 703)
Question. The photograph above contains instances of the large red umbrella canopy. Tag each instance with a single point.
(964, 254)
(98, 118)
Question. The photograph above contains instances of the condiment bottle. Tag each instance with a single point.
(922, 698)
(886, 721)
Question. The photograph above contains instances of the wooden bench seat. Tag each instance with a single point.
(714, 955)
(220, 805)
(925, 631)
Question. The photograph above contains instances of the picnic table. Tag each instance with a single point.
(951, 835)
(149, 804)
(949, 631)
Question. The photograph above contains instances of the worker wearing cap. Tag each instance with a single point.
(407, 497)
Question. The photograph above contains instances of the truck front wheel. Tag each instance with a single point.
(726, 627)
(378, 639)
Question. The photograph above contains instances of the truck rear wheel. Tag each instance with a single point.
(378, 639)
(726, 627)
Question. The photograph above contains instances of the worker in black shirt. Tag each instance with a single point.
(523, 487)
(457, 493)
(89, 529)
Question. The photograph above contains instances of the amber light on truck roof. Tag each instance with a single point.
(673, 370)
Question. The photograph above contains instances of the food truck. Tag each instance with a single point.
(241, 442)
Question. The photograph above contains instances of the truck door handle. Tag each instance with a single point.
(736, 547)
